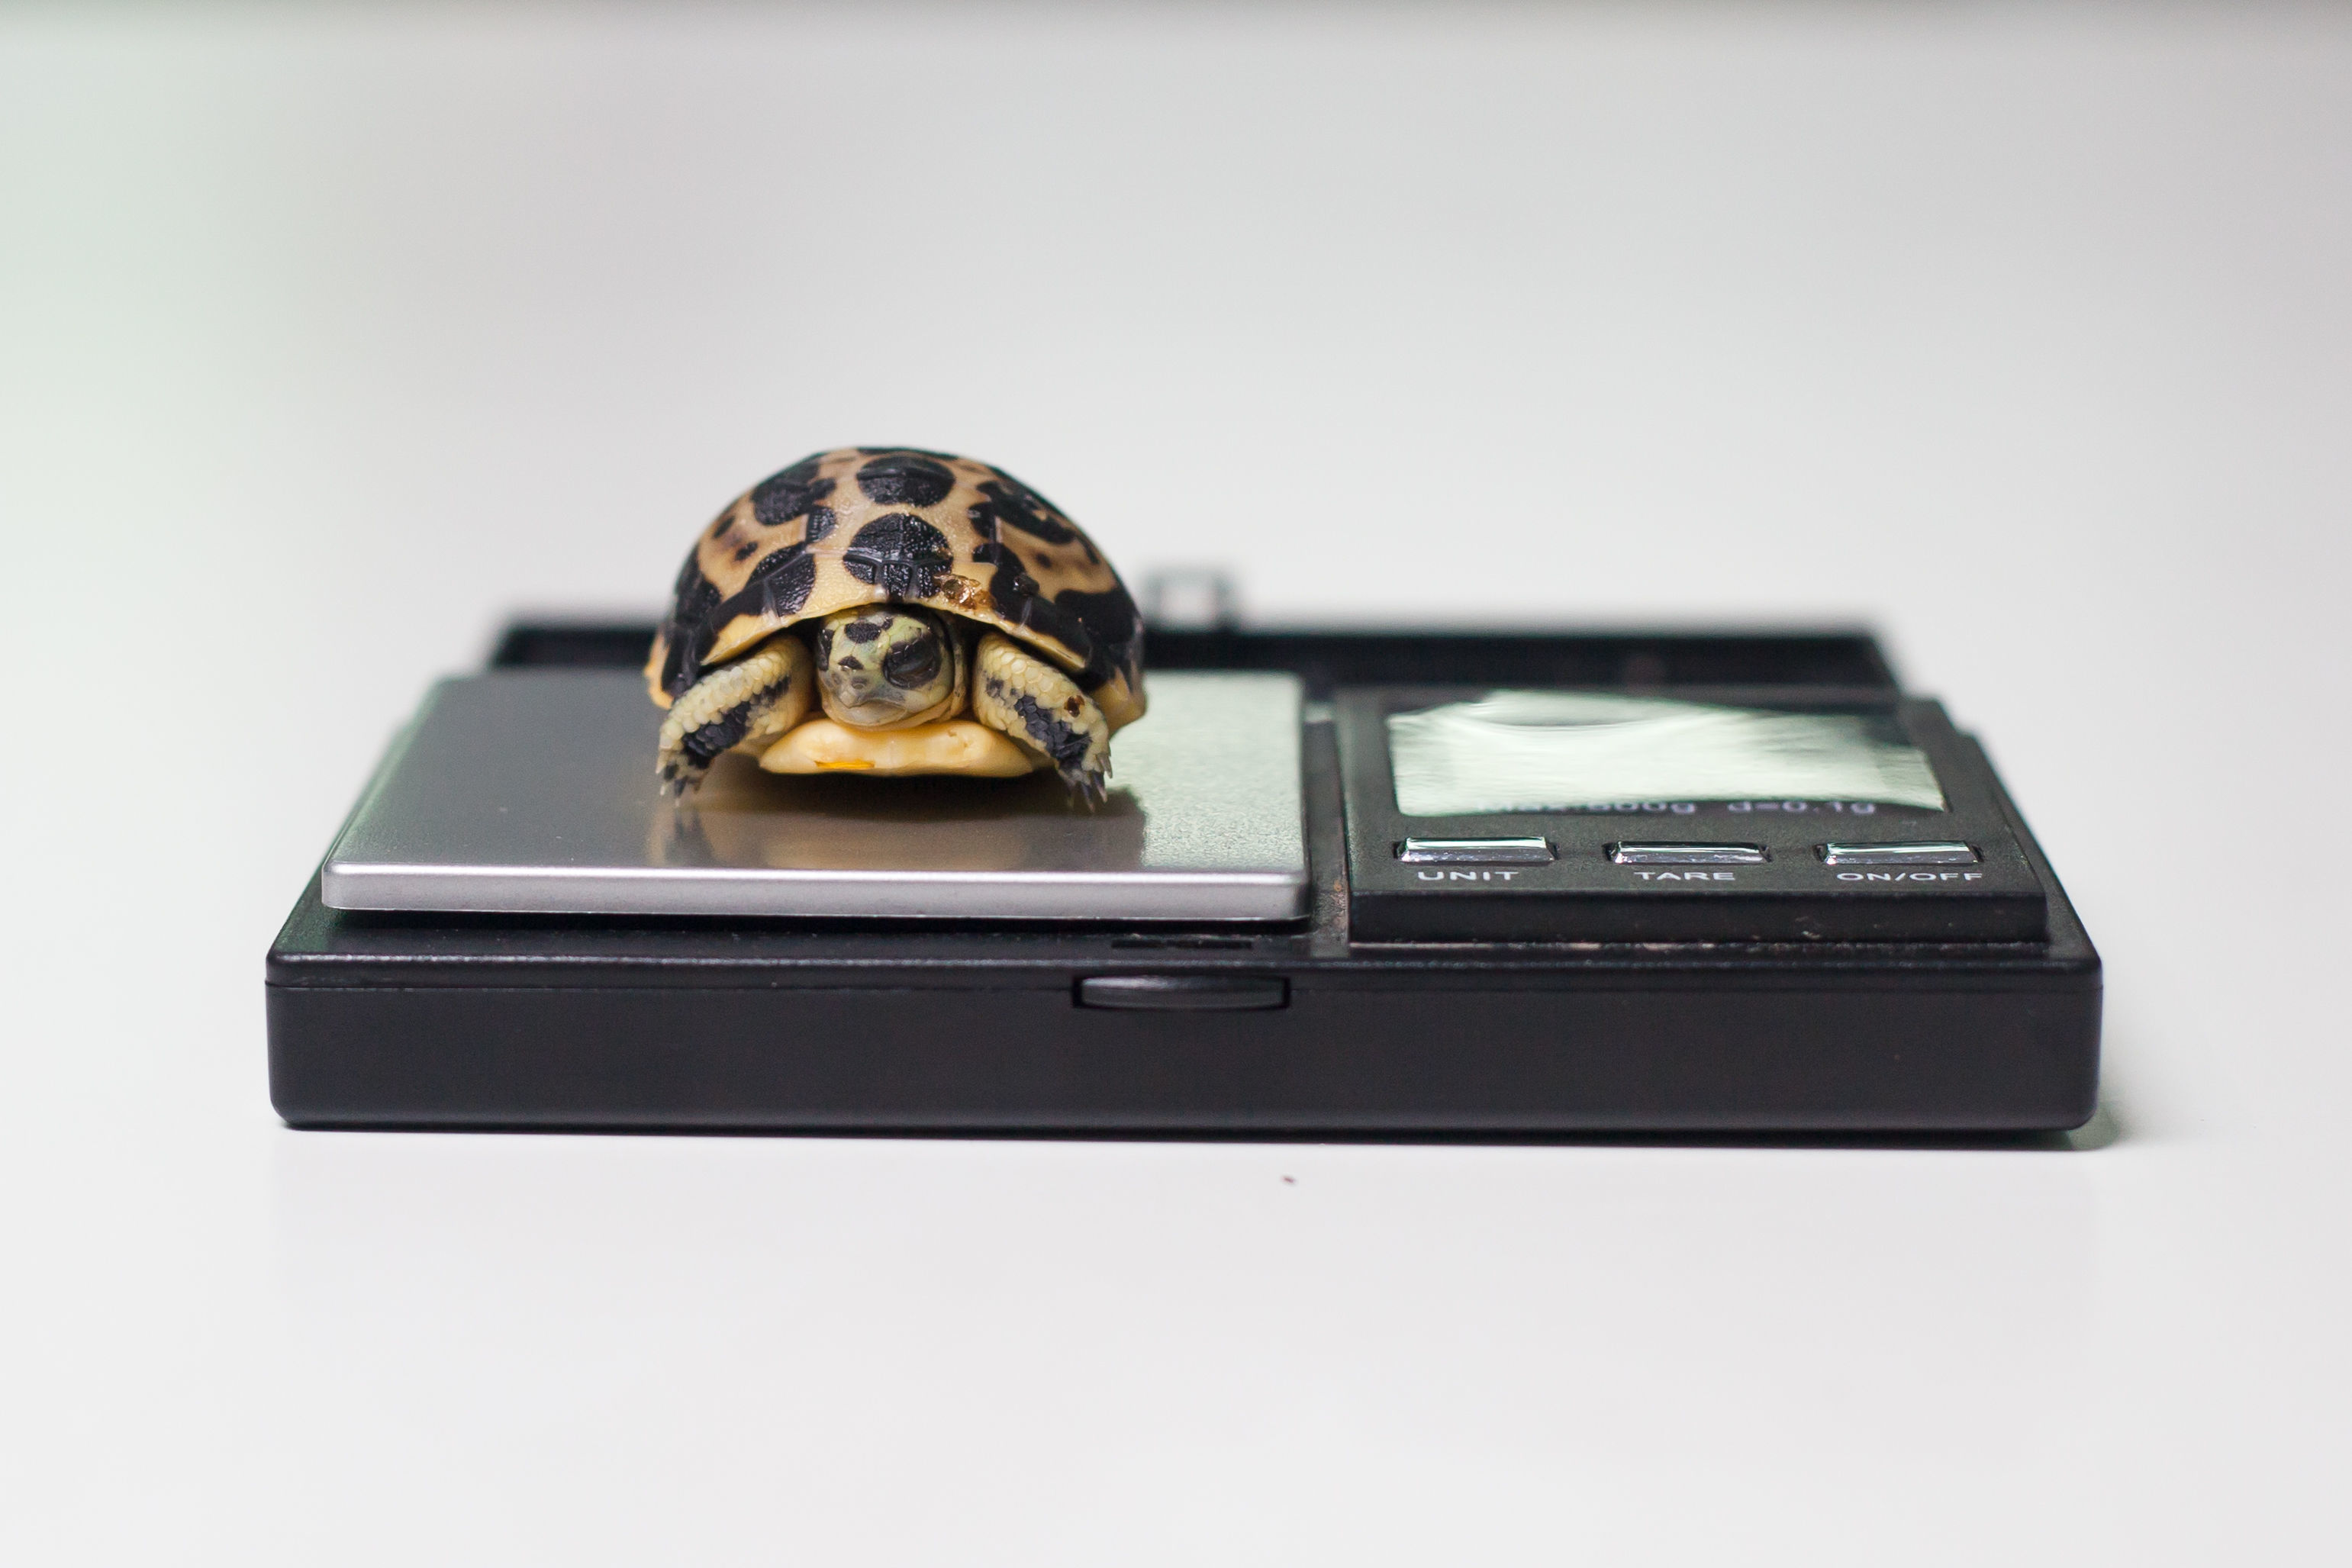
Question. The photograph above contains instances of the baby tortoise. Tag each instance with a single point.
(894, 591)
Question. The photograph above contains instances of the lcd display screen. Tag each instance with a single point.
(1566, 752)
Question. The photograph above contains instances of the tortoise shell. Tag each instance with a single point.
(867, 525)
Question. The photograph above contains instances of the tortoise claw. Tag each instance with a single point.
(1085, 784)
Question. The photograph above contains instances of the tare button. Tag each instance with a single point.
(1688, 854)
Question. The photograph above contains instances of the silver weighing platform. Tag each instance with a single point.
(532, 791)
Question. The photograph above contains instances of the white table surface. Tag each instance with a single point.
(328, 337)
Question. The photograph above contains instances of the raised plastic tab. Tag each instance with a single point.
(1184, 993)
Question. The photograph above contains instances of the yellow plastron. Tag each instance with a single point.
(944, 746)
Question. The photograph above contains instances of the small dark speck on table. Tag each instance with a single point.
(1292, 1180)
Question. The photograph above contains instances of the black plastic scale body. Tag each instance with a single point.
(1585, 992)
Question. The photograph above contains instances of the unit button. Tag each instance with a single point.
(1937, 854)
(1688, 854)
(1474, 851)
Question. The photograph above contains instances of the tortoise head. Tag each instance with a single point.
(885, 664)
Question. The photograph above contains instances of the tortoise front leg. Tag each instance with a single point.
(1042, 710)
(745, 705)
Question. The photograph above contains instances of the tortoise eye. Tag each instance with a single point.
(915, 665)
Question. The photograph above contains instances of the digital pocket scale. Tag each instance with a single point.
(1401, 882)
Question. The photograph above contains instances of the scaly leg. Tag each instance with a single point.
(1041, 708)
(744, 705)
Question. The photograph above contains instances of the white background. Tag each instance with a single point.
(327, 338)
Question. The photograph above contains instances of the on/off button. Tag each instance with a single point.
(1935, 853)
